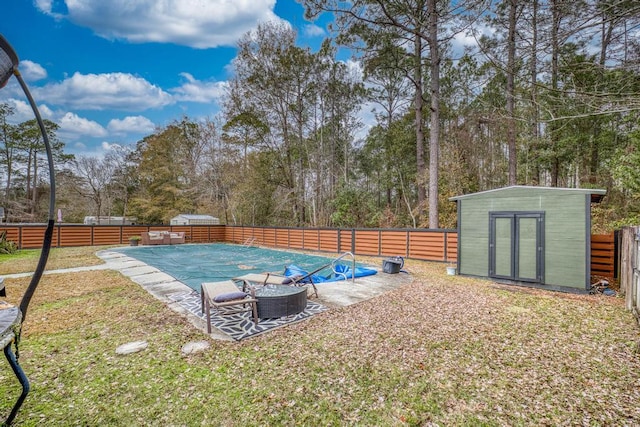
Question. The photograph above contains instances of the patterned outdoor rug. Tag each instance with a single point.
(240, 326)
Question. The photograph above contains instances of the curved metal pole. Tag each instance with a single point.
(11, 67)
(353, 267)
(24, 382)
(48, 234)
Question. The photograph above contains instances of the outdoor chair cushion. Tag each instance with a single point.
(230, 296)
(235, 301)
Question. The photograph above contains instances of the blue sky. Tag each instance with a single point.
(111, 71)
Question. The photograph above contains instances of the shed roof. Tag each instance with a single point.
(596, 194)
(194, 216)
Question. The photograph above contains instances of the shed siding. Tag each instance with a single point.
(565, 240)
(474, 237)
(565, 231)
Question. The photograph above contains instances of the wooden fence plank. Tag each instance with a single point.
(270, 237)
(33, 237)
(393, 243)
(282, 238)
(329, 240)
(311, 239)
(296, 237)
(76, 236)
(367, 242)
(12, 234)
(603, 255)
(346, 241)
(427, 246)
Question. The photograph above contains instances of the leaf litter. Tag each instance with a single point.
(442, 350)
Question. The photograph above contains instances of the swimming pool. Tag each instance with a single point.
(193, 264)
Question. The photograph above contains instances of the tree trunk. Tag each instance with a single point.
(419, 106)
(511, 70)
(34, 195)
(555, 53)
(28, 181)
(434, 131)
(535, 134)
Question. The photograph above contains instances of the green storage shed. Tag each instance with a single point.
(534, 236)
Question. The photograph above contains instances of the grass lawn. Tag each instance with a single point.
(443, 350)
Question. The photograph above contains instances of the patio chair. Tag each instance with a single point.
(155, 238)
(227, 299)
(176, 237)
(281, 279)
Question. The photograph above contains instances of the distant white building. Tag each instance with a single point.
(109, 220)
(190, 219)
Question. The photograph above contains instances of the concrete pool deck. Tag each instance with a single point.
(163, 286)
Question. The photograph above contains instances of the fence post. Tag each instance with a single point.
(446, 244)
(407, 245)
(630, 276)
(353, 241)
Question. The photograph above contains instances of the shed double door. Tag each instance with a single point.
(516, 246)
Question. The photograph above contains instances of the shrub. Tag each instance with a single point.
(7, 246)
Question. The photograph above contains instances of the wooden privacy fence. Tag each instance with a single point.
(630, 268)
(29, 236)
(603, 255)
(428, 245)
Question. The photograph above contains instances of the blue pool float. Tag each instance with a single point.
(344, 272)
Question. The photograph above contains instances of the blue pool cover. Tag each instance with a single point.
(193, 264)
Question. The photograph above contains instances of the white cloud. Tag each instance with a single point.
(131, 124)
(21, 110)
(355, 69)
(107, 146)
(463, 40)
(94, 150)
(45, 6)
(79, 146)
(311, 30)
(99, 150)
(46, 112)
(73, 126)
(469, 38)
(119, 91)
(11, 90)
(196, 23)
(198, 91)
(367, 119)
(32, 71)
